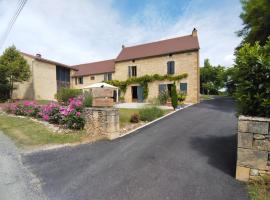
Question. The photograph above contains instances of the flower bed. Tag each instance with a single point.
(69, 116)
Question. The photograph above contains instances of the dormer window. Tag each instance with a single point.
(170, 67)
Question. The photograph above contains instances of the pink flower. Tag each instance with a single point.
(45, 117)
(78, 114)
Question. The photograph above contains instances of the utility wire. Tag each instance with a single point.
(20, 6)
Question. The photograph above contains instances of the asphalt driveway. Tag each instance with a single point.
(189, 155)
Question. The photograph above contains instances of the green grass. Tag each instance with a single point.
(26, 132)
(205, 97)
(259, 189)
(125, 115)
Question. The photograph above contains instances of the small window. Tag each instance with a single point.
(109, 76)
(183, 87)
(170, 67)
(80, 80)
(132, 71)
(92, 78)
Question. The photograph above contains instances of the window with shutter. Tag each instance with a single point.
(170, 67)
(183, 87)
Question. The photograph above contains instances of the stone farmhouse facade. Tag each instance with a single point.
(172, 56)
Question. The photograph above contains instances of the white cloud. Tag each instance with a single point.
(80, 31)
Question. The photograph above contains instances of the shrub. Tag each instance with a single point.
(70, 116)
(87, 99)
(181, 97)
(64, 94)
(150, 113)
(163, 97)
(252, 80)
(174, 97)
(134, 118)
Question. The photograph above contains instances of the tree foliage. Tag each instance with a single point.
(13, 68)
(211, 78)
(256, 20)
(252, 78)
(174, 96)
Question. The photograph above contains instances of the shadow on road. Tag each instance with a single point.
(220, 150)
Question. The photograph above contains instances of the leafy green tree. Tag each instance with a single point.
(252, 78)
(211, 78)
(256, 20)
(229, 81)
(174, 96)
(13, 68)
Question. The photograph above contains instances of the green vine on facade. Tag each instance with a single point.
(144, 80)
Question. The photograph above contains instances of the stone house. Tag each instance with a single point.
(172, 56)
(47, 77)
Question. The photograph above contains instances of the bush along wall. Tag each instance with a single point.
(143, 81)
(252, 77)
(70, 116)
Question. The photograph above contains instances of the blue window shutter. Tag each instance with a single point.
(172, 67)
(129, 71)
(183, 87)
(168, 67)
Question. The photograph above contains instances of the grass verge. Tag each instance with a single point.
(27, 133)
(260, 189)
(125, 115)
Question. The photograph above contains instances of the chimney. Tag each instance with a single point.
(123, 46)
(194, 32)
(38, 55)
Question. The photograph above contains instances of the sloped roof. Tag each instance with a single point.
(100, 67)
(47, 61)
(174, 45)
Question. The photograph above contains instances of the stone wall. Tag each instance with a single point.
(102, 121)
(253, 151)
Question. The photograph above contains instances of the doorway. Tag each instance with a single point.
(137, 94)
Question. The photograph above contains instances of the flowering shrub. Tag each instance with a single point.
(69, 116)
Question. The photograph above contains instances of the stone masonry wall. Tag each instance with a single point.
(253, 150)
(102, 121)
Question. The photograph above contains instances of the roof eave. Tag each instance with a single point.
(185, 51)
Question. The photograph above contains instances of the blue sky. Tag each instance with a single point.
(79, 31)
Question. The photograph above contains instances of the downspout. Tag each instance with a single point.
(33, 85)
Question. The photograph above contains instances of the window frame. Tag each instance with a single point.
(171, 67)
(80, 80)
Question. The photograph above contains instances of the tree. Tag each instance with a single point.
(211, 78)
(174, 96)
(252, 75)
(13, 67)
(256, 20)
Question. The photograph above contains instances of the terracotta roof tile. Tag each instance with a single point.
(95, 68)
(175, 45)
(47, 61)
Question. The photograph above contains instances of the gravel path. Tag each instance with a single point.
(16, 182)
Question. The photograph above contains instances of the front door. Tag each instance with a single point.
(137, 93)
(140, 93)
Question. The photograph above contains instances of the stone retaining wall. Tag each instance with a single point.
(102, 121)
(253, 150)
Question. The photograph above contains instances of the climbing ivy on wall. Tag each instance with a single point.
(144, 80)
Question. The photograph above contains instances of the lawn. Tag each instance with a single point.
(125, 115)
(260, 189)
(27, 133)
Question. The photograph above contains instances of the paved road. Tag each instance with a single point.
(16, 182)
(189, 155)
